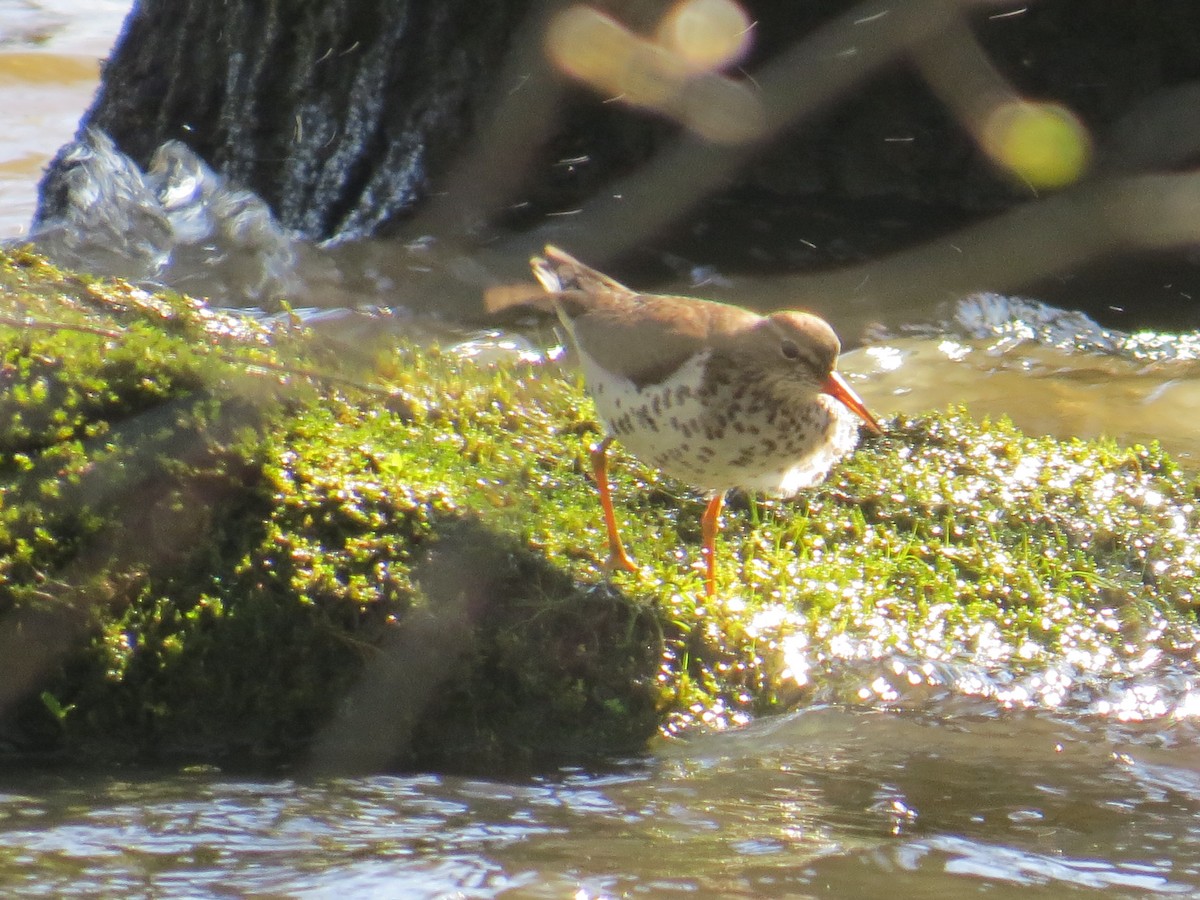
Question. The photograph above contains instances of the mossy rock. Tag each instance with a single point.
(233, 542)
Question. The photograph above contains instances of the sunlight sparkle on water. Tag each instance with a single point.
(782, 628)
(954, 350)
(996, 862)
(1189, 706)
(1137, 704)
(887, 359)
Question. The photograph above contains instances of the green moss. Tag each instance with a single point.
(207, 550)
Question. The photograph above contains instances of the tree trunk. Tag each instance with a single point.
(336, 113)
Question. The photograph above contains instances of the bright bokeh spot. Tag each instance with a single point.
(653, 76)
(589, 45)
(1043, 143)
(675, 74)
(586, 44)
(707, 34)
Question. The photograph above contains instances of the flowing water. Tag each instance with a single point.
(937, 787)
(949, 801)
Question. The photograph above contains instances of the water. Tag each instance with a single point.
(930, 790)
(827, 802)
(49, 68)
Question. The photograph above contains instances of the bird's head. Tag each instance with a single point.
(800, 351)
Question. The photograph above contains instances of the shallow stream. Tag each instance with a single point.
(954, 799)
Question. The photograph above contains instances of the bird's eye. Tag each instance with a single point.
(789, 350)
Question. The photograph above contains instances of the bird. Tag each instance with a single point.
(709, 393)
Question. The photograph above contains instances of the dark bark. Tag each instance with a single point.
(335, 112)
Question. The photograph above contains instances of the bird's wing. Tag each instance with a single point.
(645, 337)
(649, 336)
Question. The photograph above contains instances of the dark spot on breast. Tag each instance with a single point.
(646, 420)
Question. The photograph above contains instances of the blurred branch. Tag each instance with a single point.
(374, 726)
(1161, 131)
(802, 81)
(1044, 144)
(1028, 242)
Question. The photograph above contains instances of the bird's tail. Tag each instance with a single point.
(559, 272)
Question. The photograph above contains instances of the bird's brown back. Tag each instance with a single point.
(645, 337)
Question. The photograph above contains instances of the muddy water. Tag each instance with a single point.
(949, 801)
(932, 792)
(50, 52)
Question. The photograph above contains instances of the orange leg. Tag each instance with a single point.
(617, 557)
(710, 524)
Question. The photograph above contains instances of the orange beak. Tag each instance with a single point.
(835, 386)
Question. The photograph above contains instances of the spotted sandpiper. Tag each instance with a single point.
(712, 394)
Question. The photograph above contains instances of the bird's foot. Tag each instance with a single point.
(619, 560)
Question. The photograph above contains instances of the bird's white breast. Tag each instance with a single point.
(723, 441)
